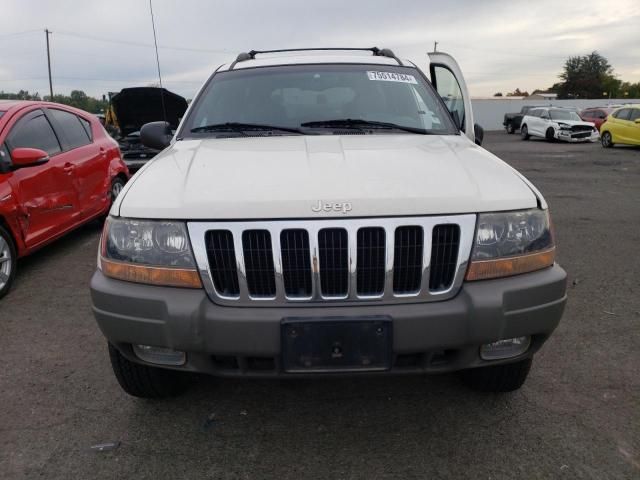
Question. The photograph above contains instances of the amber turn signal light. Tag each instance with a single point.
(506, 267)
(166, 276)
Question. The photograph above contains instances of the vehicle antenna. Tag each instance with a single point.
(155, 41)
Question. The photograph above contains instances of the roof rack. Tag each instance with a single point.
(377, 52)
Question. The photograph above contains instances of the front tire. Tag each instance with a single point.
(498, 378)
(550, 134)
(144, 381)
(117, 184)
(524, 131)
(607, 140)
(8, 261)
(510, 128)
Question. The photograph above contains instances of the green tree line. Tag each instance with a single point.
(77, 99)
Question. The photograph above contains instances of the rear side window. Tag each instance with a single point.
(35, 132)
(635, 114)
(87, 127)
(74, 132)
(5, 159)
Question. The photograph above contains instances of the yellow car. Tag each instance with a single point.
(622, 126)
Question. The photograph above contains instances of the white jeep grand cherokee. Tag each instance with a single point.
(326, 212)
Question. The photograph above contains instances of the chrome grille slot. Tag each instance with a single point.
(333, 248)
(408, 259)
(258, 262)
(222, 262)
(370, 262)
(445, 242)
(332, 261)
(296, 263)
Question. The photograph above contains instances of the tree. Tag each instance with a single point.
(587, 76)
(518, 93)
(498, 94)
(81, 100)
(21, 95)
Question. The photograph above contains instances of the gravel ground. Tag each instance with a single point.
(578, 415)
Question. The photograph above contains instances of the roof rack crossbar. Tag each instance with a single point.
(251, 55)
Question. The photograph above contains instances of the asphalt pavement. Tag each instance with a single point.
(578, 415)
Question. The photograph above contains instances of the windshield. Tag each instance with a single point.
(563, 115)
(1, 113)
(309, 97)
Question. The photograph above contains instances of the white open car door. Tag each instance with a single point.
(448, 81)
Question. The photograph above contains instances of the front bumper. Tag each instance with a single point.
(235, 341)
(569, 136)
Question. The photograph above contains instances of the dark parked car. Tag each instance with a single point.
(512, 120)
(58, 170)
(133, 107)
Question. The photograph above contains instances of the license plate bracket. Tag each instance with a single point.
(336, 344)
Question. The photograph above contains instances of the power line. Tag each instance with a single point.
(15, 34)
(140, 44)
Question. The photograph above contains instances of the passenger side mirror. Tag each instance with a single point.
(156, 135)
(28, 157)
(479, 133)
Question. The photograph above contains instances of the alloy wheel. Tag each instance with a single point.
(116, 188)
(5, 262)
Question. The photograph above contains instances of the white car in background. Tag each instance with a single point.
(557, 124)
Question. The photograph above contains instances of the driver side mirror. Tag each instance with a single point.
(479, 133)
(545, 117)
(28, 157)
(156, 135)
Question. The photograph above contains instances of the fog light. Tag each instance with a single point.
(160, 355)
(507, 348)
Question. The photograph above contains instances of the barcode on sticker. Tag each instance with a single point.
(392, 77)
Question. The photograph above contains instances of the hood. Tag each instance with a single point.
(286, 177)
(575, 122)
(136, 106)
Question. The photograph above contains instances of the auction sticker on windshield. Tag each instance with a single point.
(392, 77)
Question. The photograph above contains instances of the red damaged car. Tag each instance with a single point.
(58, 170)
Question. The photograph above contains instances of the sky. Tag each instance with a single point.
(105, 45)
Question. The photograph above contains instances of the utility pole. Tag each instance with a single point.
(47, 33)
(435, 46)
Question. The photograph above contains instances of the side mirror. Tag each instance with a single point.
(28, 157)
(545, 117)
(479, 133)
(156, 135)
(637, 120)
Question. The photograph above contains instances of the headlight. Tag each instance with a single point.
(146, 251)
(510, 243)
(564, 126)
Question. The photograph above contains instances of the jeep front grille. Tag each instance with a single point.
(296, 269)
(408, 259)
(444, 256)
(386, 260)
(258, 263)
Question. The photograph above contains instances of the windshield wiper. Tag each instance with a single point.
(242, 127)
(361, 124)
